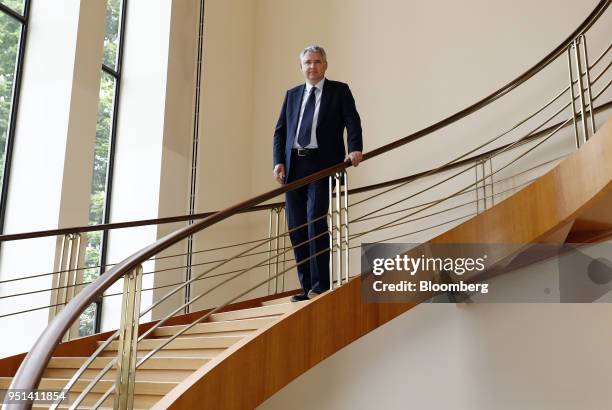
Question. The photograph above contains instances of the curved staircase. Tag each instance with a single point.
(179, 360)
(572, 200)
(237, 356)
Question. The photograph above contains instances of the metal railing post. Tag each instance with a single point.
(274, 239)
(489, 160)
(59, 277)
(270, 250)
(72, 275)
(483, 181)
(587, 78)
(476, 188)
(581, 101)
(128, 339)
(75, 258)
(285, 233)
(337, 176)
(330, 229)
(572, 96)
(65, 281)
(346, 228)
(277, 212)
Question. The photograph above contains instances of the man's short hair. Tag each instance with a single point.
(313, 49)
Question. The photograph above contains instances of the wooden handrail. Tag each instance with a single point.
(31, 370)
(353, 191)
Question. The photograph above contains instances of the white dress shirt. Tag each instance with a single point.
(313, 132)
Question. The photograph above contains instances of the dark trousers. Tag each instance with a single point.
(303, 205)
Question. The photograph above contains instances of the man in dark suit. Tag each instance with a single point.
(308, 138)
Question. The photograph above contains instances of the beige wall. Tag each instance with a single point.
(227, 104)
(409, 64)
(467, 357)
(178, 134)
(225, 147)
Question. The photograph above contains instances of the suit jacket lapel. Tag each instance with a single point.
(296, 107)
(325, 97)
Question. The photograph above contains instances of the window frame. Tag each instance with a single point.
(116, 74)
(12, 122)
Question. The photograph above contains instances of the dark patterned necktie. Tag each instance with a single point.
(307, 119)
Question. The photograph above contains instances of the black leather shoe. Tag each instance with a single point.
(299, 297)
(313, 293)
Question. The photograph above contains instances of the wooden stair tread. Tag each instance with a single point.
(219, 326)
(171, 353)
(188, 334)
(285, 299)
(157, 362)
(141, 401)
(67, 406)
(173, 364)
(196, 342)
(157, 388)
(262, 311)
(166, 375)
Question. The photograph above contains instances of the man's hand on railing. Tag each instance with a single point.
(279, 173)
(355, 157)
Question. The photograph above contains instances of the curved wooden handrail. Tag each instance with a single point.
(31, 370)
(248, 373)
(352, 191)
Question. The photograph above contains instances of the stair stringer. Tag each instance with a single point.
(252, 370)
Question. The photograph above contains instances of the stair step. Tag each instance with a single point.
(215, 327)
(176, 361)
(141, 387)
(202, 342)
(165, 375)
(285, 299)
(141, 401)
(180, 353)
(67, 406)
(154, 363)
(263, 311)
(238, 333)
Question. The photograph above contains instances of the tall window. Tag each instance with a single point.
(101, 184)
(13, 20)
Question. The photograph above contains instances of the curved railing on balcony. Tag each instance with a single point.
(582, 89)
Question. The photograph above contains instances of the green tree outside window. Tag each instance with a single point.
(101, 157)
(10, 31)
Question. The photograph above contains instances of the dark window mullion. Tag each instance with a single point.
(10, 138)
(14, 14)
(119, 61)
(107, 199)
(110, 71)
(111, 156)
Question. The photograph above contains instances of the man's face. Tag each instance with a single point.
(313, 67)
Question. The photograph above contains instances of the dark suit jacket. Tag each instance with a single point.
(337, 111)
